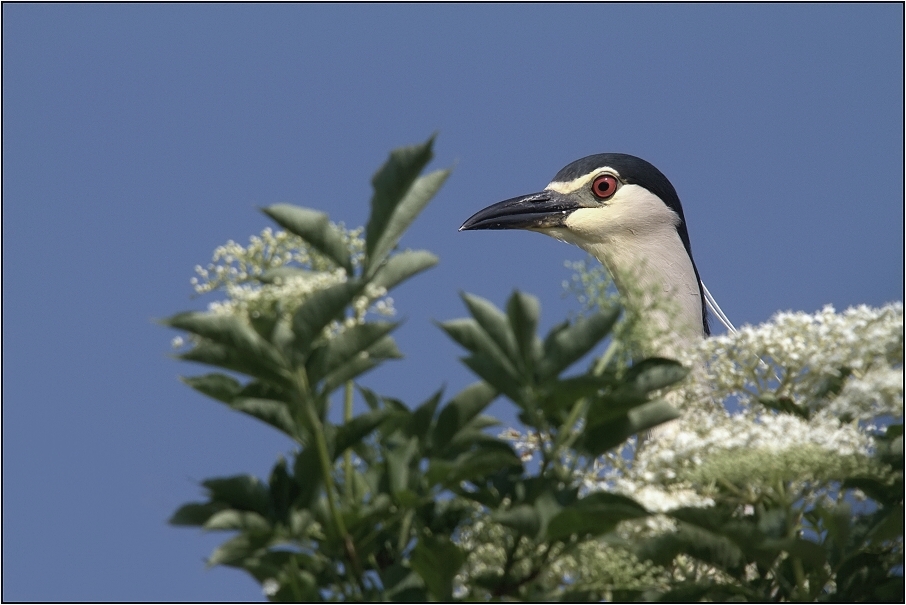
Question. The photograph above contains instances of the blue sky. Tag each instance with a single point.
(137, 138)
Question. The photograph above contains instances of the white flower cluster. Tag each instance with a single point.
(235, 269)
(837, 369)
(288, 292)
(232, 263)
(801, 357)
(842, 372)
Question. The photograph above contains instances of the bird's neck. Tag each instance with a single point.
(657, 282)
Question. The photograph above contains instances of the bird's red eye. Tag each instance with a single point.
(604, 186)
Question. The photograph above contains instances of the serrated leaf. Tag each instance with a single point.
(241, 492)
(523, 518)
(353, 432)
(655, 373)
(561, 395)
(523, 311)
(195, 513)
(785, 405)
(567, 344)
(344, 347)
(595, 514)
(489, 370)
(437, 560)
(371, 398)
(217, 386)
(398, 461)
(230, 519)
(420, 419)
(383, 349)
(696, 542)
(315, 228)
(649, 415)
(467, 404)
(237, 550)
(218, 355)
(283, 491)
(468, 333)
(320, 309)
(402, 266)
(890, 527)
(398, 198)
(494, 323)
(307, 475)
(391, 183)
(269, 411)
(237, 337)
(485, 459)
(603, 436)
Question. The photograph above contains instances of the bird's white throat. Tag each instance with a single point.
(635, 237)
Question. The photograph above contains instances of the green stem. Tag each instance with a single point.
(792, 522)
(347, 456)
(604, 359)
(304, 395)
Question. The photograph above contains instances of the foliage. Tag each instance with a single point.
(422, 502)
(376, 507)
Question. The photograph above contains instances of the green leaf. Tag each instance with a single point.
(696, 542)
(237, 520)
(402, 266)
(468, 333)
(344, 347)
(353, 432)
(241, 492)
(568, 343)
(399, 195)
(558, 397)
(651, 414)
(237, 550)
(595, 514)
(420, 419)
(315, 228)
(495, 325)
(403, 585)
(281, 274)
(371, 398)
(655, 373)
(320, 309)
(437, 560)
(214, 385)
(398, 461)
(307, 476)
(467, 404)
(274, 413)
(548, 508)
(283, 491)
(239, 340)
(391, 183)
(196, 513)
(523, 518)
(221, 356)
(522, 311)
(785, 405)
(890, 526)
(603, 436)
(492, 372)
(487, 458)
(383, 349)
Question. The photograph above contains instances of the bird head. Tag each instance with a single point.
(623, 211)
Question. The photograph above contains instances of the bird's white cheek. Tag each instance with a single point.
(590, 225)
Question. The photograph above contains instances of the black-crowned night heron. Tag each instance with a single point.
(624, 212)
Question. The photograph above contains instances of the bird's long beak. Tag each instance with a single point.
(541, 210)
